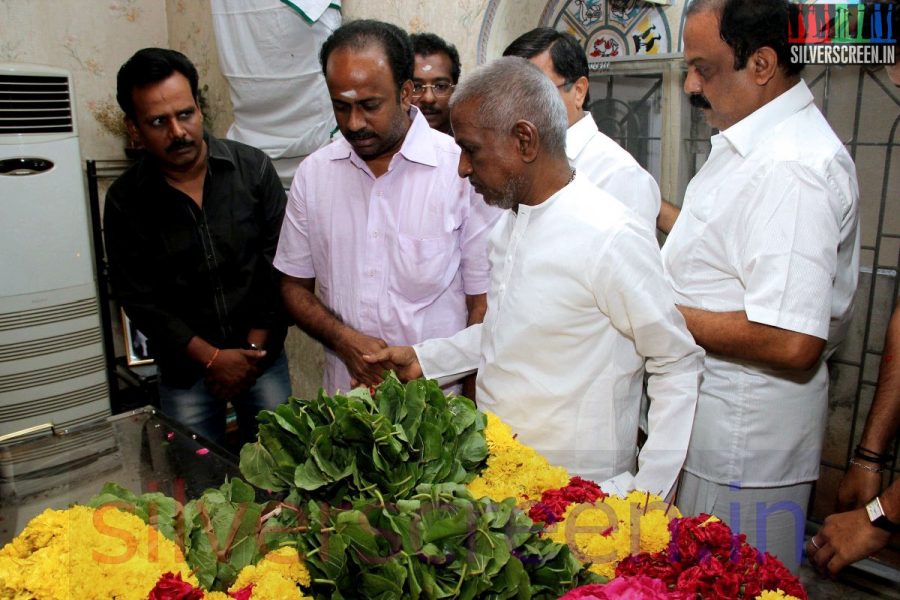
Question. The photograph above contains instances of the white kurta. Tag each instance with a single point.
(612, 169)
(769, 226)
(577, 304)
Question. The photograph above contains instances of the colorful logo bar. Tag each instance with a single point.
(842, 33)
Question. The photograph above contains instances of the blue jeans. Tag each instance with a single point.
(198, 410)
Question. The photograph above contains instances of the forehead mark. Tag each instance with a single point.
(351, 94)
(426, 68)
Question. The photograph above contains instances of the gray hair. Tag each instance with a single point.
(511, 89)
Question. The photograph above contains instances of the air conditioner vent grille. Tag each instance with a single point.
(51, 404)
(48, 314)
(64, 372)
(35, 104)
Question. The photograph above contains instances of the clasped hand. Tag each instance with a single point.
(233, 372)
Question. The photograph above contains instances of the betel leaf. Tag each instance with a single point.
(364, 445)
(440, 543)
(309, 476)
(472, 448)
(260, 469)
(222, 531)
(154, 508)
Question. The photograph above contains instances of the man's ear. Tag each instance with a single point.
(406, 94)
(763, 65)
(527, 140)
(581, 87)
(133, 131)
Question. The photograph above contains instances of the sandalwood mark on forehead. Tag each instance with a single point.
(350, 94)
(426, 68)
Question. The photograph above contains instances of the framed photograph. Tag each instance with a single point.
(137, 346)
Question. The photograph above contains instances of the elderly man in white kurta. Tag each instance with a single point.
(578, 305)
(763, 260)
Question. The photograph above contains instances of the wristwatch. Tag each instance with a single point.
(878, 518)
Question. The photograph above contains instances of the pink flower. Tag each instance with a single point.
(594, 591)
(639, 587)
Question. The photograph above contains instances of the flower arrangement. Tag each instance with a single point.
(276, 577)
(705, 558)
(521, 527)
(513, 469)
(613, 528)
(552, 506)
(88, 554)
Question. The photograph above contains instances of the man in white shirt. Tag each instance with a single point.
(763, 260)
(577, 304)
(597, 157)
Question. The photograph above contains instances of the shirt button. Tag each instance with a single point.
(374, 234)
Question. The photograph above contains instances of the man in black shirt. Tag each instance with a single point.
(191, 231)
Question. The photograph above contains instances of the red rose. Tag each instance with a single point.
(553, 503)
(727, 586)
(171, 587)
(243, 594)
(716, 537)
(654, 565)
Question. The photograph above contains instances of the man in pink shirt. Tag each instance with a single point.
(395, 239)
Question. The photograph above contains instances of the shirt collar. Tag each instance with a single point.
(749, 131)
(537, 208)
(417, 145)
(579, 134)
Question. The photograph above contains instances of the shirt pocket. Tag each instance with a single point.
(424, 267)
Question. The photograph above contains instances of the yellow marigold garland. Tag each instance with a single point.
(275, 577)
(513, 469)
(87, 554)
(775, 595)
(611, 529)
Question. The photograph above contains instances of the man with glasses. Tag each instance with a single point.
(601, 160)
(380, 220)
(435, 75)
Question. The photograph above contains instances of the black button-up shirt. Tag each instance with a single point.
(180, 271)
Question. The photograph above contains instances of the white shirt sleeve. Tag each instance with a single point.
(788, 253)
(640, 304)
(448, 359)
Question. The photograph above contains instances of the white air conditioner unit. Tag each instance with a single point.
(52, 366)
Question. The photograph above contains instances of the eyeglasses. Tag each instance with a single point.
(564, 85)
(439, 89)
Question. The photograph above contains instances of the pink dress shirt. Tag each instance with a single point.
(394, 256)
